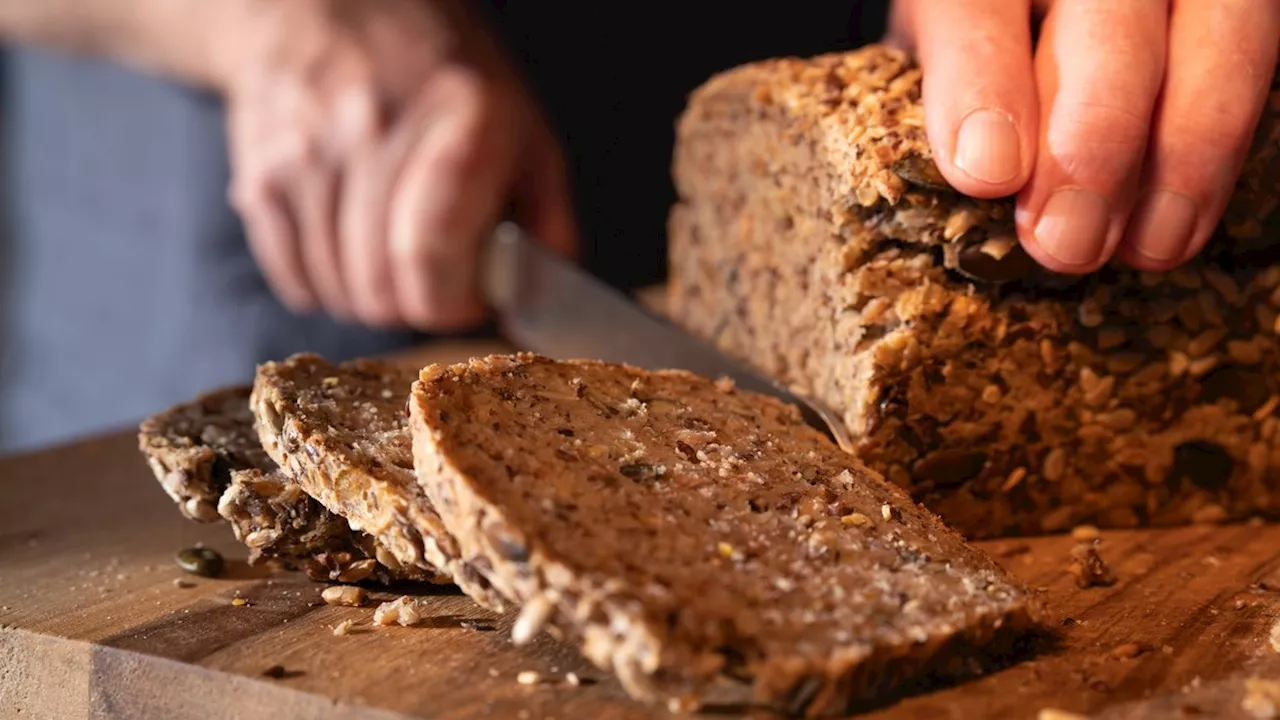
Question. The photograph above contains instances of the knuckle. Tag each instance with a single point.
(464, 152)
(1099, 143)
(356, 114)
(377, 313)
(1110, 123)
(1214, 128)
(426, 315)
(250, 192)
(425, 254)
(462, 83)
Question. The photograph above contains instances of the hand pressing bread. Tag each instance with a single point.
(1122, 131)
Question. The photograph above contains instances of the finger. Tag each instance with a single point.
(317, 208)
(898, 29)
(1204, 125)
(543, 202)
(978, 90)
(447, 198)
(273, 242)
(1099, 67)
(367, 182)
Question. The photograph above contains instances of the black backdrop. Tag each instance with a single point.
(613, 78)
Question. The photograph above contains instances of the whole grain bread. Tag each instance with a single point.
(815, 240)
(207, 457)
(194, 448)
(679, 529)
(341, 431)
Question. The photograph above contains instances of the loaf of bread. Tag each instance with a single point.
(341, 432)
(815, 239)
(207, 457)
(679, 529)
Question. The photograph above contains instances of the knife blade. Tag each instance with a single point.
(552, 307)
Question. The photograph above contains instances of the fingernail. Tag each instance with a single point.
(1073, 226)
(987, 147)
(1162, 225)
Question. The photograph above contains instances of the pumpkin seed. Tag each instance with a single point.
(201, 561)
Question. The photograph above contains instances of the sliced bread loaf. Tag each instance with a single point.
(207, 457)
(679, 529)
(341, 431)
(815, 240)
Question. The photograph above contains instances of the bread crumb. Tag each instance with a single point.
(1056, 714)
(1085, 532)
(1261, 698)
(725, 550)
(678, 705)
(344, 595)
(1126, 651)
(855, 520)
(573, 679)
(403, 610)
(533, 616)
(529, 677)
(1275, 636)
(344, 627)
(493, 672)
(1089, 567)
(183, 584)
(238, 602)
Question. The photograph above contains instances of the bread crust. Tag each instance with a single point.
(591, 490)
(207, 457)
(341, 431)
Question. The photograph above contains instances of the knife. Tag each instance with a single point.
(550, 306)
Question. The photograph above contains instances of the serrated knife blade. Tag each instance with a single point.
(548, 305)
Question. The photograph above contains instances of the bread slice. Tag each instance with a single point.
(207, 457)
(194, 447)
(678, 528)
(341, 431)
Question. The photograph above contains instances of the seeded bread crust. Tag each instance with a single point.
(194, 448)
(207, 457)
(679, 529)
(341, 430)
(1009, 401)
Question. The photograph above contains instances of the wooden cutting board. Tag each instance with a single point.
(94, 625)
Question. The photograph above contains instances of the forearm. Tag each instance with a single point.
(183, 39)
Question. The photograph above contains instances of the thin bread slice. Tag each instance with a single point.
(341, 431)
(678, 529)
(194, 447)
(207, 457)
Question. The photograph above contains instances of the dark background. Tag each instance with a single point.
(614, 79)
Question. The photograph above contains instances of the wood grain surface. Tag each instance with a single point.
(93, 624)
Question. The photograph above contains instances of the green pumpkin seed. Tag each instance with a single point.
(201, 561)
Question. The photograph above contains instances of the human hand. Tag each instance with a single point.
(1122, 136)
(373, 145)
